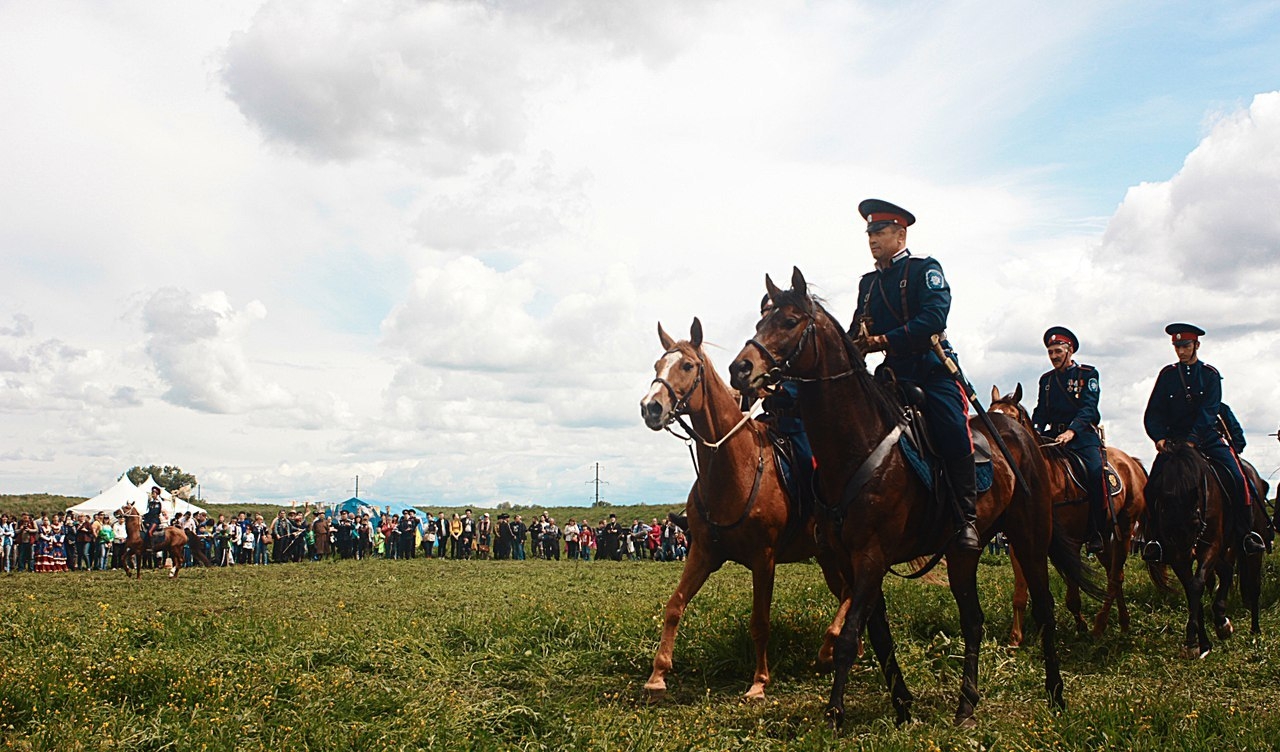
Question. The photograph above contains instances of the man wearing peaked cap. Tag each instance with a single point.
(1067, 413)
(902, 303)
(1184, 407)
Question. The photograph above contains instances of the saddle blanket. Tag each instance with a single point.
(986, 475)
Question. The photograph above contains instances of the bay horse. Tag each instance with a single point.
(738, 508)
(876, 512)
(1187, 513)
(174, 539)
(1072, 514)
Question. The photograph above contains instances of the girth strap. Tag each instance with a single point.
(864, 474)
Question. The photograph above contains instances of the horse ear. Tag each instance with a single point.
(1017, 393)
(774, 290)
(664, 338)
(797, 281)
(695, 333)
(995, 393)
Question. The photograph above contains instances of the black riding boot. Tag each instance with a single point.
(964, 484)
(1097, 522)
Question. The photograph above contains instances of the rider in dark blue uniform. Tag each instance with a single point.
(1067, 413)
(152, 518)
(1184, 408)
(902, 304)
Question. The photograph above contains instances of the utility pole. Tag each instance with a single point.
(597, 483)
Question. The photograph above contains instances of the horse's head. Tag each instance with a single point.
(679, 381)
(1179, 499)
(784, 342)
(1010, 405)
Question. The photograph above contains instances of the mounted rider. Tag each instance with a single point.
(1184, 407)
(902, 304)
(151, 520)
(1067, 413)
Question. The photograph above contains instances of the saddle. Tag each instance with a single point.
(1076, 473)
(918, 448)
(799, 496)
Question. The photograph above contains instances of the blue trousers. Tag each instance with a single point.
(947, 410)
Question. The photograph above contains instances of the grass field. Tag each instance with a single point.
(552, 655)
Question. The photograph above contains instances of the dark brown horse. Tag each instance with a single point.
(1187, 513)
(738, 507)
(174, 539)
(1071, 512)
(877, 513)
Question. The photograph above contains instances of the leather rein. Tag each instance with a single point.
(679, 410)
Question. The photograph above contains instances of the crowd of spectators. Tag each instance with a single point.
(40, 543)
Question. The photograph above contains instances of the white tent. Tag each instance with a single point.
(124, 491)
(113, 498)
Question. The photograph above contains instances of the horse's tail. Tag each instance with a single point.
(197, 549)
(1065, 555)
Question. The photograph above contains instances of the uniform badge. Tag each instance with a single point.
(1093, 385)
(934, 280)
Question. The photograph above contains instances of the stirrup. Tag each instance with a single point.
(1095, 544)
(1152, 553)
(1253, 544)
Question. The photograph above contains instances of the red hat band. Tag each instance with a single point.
(1058, 339)
(897, 219)
(1185, 337)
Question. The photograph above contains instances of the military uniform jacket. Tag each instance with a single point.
(1184, 404)
(1234, 433)
(1069, 400)
(908, 303)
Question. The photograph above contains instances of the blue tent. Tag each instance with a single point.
(373, 509)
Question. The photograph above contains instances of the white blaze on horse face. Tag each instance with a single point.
(656, 389)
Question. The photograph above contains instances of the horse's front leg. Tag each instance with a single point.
(1221, 624)
(882, 643)
(864, 592)
(1195, 640)
(962, 568)
(835, 583)
(1019, 598)
(697, 567)
(762, 575)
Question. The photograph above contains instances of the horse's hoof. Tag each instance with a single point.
(655, 690)
(756, 693)
(1225, 630)
(965, 721)
(835, 719)
(1193, 653)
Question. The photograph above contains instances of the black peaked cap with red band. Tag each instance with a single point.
(1184, 332)
(1061, 334)
(880, 214)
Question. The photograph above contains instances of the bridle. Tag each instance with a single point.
(680, 403)
(778, 367)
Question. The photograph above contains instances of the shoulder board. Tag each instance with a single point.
(1211, 368)
(1168, 368)
(1084, 367)
(1045, 376)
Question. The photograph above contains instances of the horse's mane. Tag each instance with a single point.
(1179, 482)
(882, 401)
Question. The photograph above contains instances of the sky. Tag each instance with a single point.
(285, 243)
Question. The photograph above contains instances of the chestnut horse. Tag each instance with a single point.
(1072, 513)
(1187, 512)
(174, 539)
(738, 507)
(876, 512)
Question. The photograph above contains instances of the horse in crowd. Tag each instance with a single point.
(738, 509)
(1071, 512)
(876, 512)
(1187, 510)
(170, 540)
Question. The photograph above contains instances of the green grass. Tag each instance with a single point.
(544, 655)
